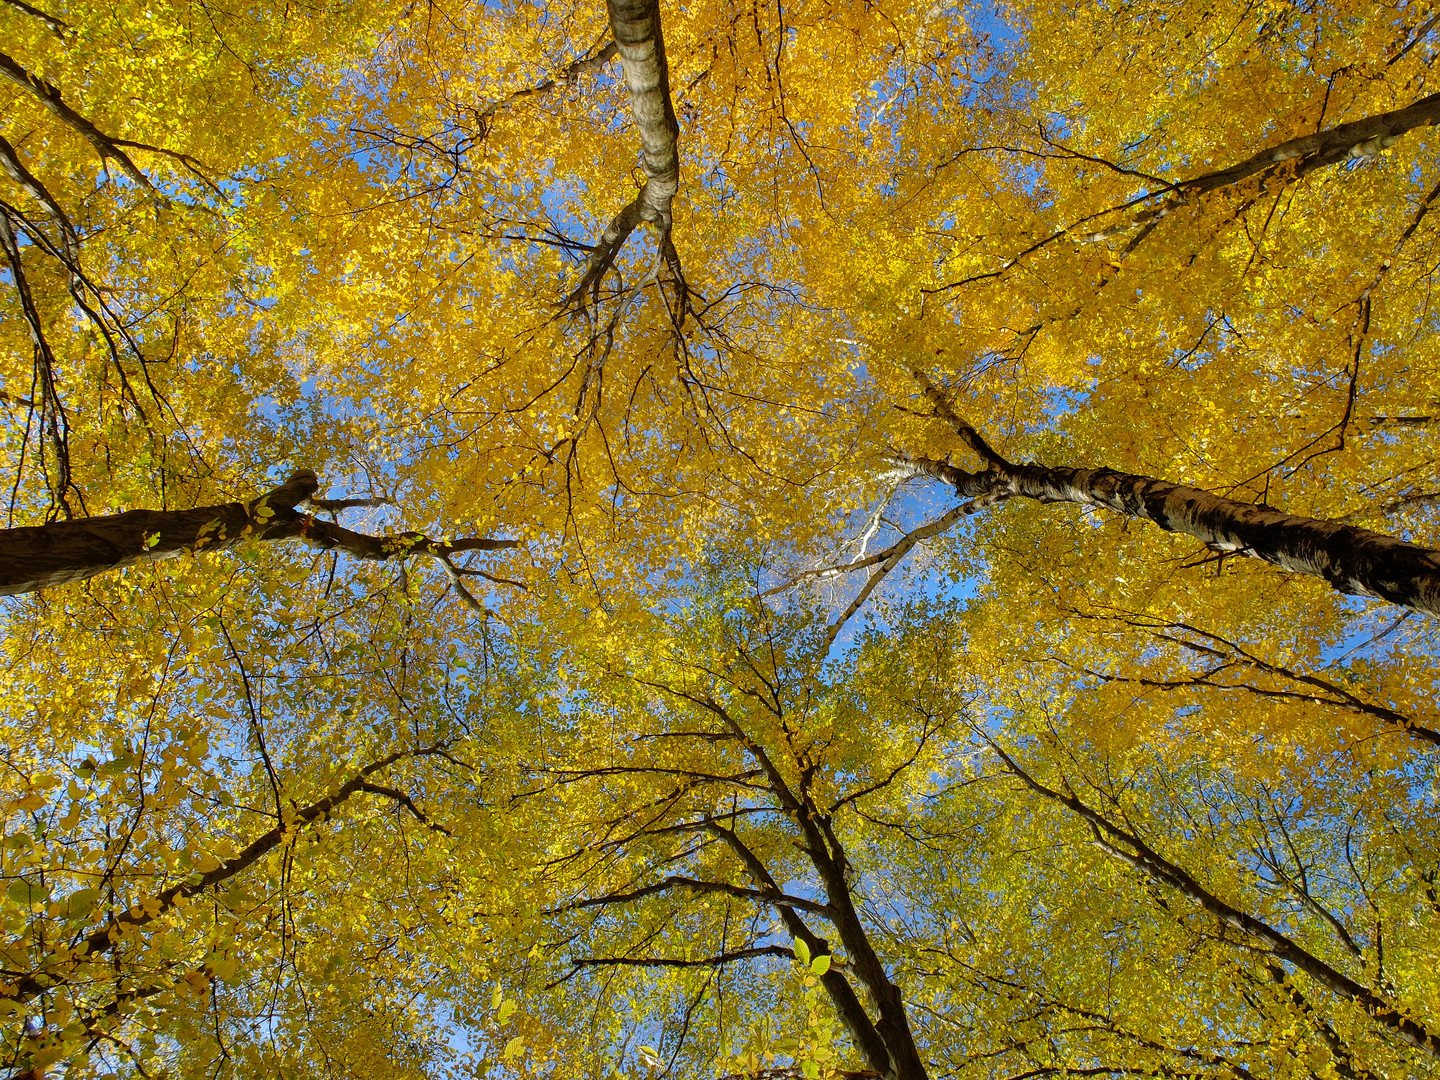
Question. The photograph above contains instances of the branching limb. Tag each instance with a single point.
(54, 426)
(1127, 847)
(675, 962)
(771, 896)
(27, 985)
(59, 27)
(41, 556)
(1228, 652)
(27, 182)
(1293, 159)
(901, 548)
(397, 796)
(934, 528)
(593, 61)
(50, 97)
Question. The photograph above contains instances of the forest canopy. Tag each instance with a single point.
(794, 539)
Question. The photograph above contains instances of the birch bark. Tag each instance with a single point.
(1353, 560)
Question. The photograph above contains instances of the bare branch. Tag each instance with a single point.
(760, 896)
(672, 962)
(26, 985)
(1130, 849)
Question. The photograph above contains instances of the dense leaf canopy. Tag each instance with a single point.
(818, 538)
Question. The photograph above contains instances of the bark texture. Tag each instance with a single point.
(39, 556)
(1353, 560)
(1358, 139)
(638, 35)
(640, 42)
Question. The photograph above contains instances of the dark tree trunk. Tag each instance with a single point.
(1354, 561)
(63, 551)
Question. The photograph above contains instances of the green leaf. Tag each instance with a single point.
(810, 1069)
(26, 893)
(507, 1010)
(820, 965)
(802, 951)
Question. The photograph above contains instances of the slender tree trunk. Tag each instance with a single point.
(39, 556)
(896, 1056)
(640, 42)
(636, 25)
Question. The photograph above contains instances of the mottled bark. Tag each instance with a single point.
(39, 556)
(641, 44)
(1354, 561)
(636, 25)
(1360, 138)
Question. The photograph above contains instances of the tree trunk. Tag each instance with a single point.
(636, 26)
(39, 556)
(1354, 561)
(640, 42)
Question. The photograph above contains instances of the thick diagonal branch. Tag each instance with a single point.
(897, 1058)
(58, 27)
(1297, 157)
(12, 165)
(1353, 560)
(1293, 158)
(50, 97)
(863, 1030)
(40, 556)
